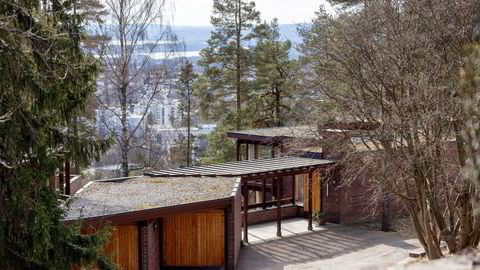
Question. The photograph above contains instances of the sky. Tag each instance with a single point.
(198, 12)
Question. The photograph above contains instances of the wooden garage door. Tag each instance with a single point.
(123, 247)
(194, 239)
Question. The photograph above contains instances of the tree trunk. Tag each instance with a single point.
(238, 66)
(189, 154)
(124, 146)
(278, 122)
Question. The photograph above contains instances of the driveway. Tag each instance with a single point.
(328, 247)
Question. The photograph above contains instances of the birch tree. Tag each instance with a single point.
(136, 58)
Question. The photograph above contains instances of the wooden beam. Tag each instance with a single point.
(294, 188)
(67, 177)
(246, 152)
(255, 151)
(310, 206)
(273, 150)
(264, 193)
(245, 211)
(279, 206)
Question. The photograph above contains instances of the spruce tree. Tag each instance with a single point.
(41, 71)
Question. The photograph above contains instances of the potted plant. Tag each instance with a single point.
(320, 217)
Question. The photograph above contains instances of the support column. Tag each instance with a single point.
(67, 177)
(161, 236)
(238, 150)
(264, 193)
(279, 206)
(255, 151)
(273, 150)
(310, 206)
(245, 211)
(294, 189)
(247, 156)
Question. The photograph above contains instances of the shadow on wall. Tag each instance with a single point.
(303, 248)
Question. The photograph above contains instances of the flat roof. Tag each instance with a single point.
(246, 167)
(110, 197)
(300, 132)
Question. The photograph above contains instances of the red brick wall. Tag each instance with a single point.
(153, 244)
(235, 223)
(143, 245)
(270, 214)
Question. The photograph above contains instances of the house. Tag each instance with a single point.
(197, 217)
(344, 203)
(164, 223)
(191, 218)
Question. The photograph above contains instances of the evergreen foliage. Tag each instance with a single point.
(41, 71)
(274, 73)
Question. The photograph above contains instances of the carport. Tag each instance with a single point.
(253, 174)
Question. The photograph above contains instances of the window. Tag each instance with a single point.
(299, 188)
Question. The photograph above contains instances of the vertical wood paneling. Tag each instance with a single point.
(194, 239)
(316, 189)
(123, 247)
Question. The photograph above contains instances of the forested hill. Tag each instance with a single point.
(195, 37)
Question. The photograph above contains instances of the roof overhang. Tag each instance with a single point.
(146, 214)
(247, 168)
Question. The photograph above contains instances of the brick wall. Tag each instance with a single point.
(153, 244)
(237, 227)
(270, 214)
(77, 182)
(143, 245)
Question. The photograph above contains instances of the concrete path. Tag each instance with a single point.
(328, 247)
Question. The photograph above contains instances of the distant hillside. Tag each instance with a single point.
(195, 37)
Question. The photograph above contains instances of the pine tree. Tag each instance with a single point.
(227, 59)
(224, 90)
(274, 78)
(41, 69)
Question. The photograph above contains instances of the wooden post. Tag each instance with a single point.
(245, 211)
(246, 152)
(273, 150)
(279, 206)
(67, 177)
(264, 193)
(238, 150)
(160, 234)
(294, 189)
(61, 180)
(310, 210)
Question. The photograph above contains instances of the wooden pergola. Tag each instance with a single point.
(253, 174)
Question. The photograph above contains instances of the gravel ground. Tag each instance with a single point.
(113, 197)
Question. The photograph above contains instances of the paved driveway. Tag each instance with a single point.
(328, 247)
